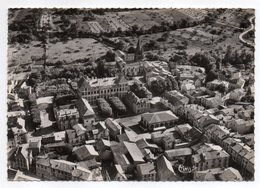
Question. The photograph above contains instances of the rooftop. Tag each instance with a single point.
(134, 152)
(146, 168)
(178, 152)
(158, 117)
(85, 151)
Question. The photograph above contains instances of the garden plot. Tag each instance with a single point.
(95, 27)
(168, 15)
(197, 14)
(102, 21)
(116, 22)
(139, 18)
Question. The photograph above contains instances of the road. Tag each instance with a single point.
(245, 32)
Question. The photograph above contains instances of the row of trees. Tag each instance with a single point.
(234, 57)
(116, 104)
(158, 87)
(35, 112)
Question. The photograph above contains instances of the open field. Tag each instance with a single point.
(75, 49)
(59, 51)
(22, 53)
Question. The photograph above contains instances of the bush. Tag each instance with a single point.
(104, 107)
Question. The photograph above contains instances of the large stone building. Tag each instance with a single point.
(209, 156)
(20, 158)
(92, 89)
(66, 118)
(50, 169)
(136, 104)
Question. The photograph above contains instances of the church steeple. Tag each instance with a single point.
(139, 51)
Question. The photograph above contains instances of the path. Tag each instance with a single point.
(245, 32)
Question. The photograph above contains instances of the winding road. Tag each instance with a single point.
(245, 32)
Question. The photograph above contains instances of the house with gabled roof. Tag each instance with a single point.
(86, 112)
(146, 172)
(157, 120)
(21, 158)
(115, 173)
(85, 152)
(113, 127)
(165, 171)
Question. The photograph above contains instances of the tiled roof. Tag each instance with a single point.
(163, 164)
(63, 165)
(84, 107)
(159, 117)
(82, 173)
(230, 174)
(112, 124)
(134, 152)
(79, 129)
(178, 152)
(85, 151)
(146, 168)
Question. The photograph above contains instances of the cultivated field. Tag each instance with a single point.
(168, 15)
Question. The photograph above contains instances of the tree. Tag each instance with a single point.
(135, 87)
(110, 56)
(151, 57)
(131, 50)
(228, 56)
(101, 71)
(201, 60)
(151, 45)
(157, 87)
(104, 107)
(31, 81)
(135, 28)
(244, 24)
(221, 88)
(117, 105)
(211, 75)
(142, 93)
(120, 45)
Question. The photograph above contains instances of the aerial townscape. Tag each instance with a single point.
(130, 94)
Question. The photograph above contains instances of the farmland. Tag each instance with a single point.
(62, 51)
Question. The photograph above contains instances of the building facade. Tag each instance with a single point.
(92, 89)
(157, 120)
(66, 118)
(86, 113)
(136, 104)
